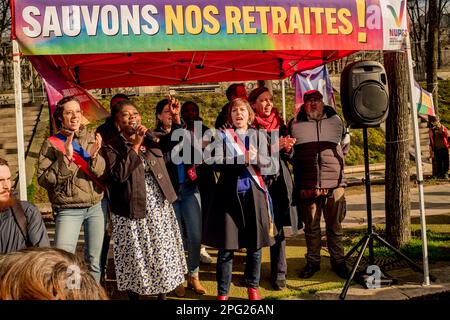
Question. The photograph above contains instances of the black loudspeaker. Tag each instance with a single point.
(364, 94)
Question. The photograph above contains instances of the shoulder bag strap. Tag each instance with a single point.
(21, 220)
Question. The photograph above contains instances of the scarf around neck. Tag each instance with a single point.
(272, 122)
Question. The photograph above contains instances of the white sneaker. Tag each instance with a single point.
(204, 256)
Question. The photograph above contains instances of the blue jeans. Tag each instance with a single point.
(189, 216)
(67, 230)
(252, 271)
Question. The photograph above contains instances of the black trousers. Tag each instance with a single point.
(278, 265)
(442, 161)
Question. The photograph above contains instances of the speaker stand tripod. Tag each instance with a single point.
(367, 240)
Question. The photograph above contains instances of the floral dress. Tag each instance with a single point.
(148, 253)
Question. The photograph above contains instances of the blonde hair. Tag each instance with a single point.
(241, 102)
(46, 274)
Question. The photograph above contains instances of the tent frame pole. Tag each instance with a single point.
(419, 173)
(19, 121)
(283, 99)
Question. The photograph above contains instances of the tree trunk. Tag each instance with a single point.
(432, 51)
(397, 197)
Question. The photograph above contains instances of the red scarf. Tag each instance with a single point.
(272, 122)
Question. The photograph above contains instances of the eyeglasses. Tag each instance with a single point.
(73, 113)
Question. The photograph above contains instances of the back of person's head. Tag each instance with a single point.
(58, 113)
(46, 274)
(185, 107)
(236, 90)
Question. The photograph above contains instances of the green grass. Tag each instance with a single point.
(438, 240)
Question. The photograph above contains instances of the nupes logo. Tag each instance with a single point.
(399, 18)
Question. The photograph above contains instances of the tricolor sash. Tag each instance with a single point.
(235, 144)
(80, 156)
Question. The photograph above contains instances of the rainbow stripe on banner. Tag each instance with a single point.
(423, 100)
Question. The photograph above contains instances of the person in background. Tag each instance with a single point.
(148, 249)
(439, 145)
(239, 214)
(70, 168)
(234, 91)
(12, 237)
(46, 274)
(318, 163)
(206, 180)
(107, 131)
(184, 180)
(280, 184)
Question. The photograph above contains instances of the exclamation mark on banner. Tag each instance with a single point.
(361, 8)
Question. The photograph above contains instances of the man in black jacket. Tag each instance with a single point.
(12, 238)
(318, 163)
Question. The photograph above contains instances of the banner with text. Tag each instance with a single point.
(112, 26)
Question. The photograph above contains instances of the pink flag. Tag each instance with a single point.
(318, 79)
(57, 87)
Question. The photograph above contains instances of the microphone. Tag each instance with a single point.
(148, 134)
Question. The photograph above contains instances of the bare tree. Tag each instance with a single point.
(5, 18)
(397, 195)
(432, 51)
(442, 11)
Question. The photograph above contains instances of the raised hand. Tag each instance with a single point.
(175, 105)
(138, 137)
(97, 145)
(68, 145)
(288, 143)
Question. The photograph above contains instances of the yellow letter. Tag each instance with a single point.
(295, 21)
(318, 19)
(330, 18)
(307, 22)
(342, 16)
(279, 17)
(233, 16)
(247, 19)
(215, 25)
(193, 13)
(175, 19)
(263, 11)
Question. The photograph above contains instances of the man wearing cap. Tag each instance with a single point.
(318, 163)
